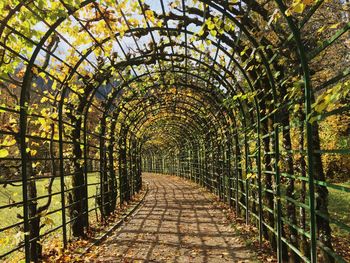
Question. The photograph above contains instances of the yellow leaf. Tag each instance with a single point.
(34, 165)
(8, 142)
(210, 25)
(149, 15)
(244, 50)
(81, 91)
(299, 8)
(43, 99)
(288, 12)
(4, 153)
(321, 29)
(251, 175)
(54, 85)
(201, 32)
(227, 27)
(133, 22)
(334, 25)
(250, 68)
(35, 70)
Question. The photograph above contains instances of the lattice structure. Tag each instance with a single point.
(249, 99)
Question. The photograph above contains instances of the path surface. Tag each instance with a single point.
(176, 223)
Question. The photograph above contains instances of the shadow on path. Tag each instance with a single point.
(177, 223)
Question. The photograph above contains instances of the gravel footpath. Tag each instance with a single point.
(176, 223)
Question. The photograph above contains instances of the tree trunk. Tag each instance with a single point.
(77, 200)
(112, 177)
(34, 223)
(291, 209)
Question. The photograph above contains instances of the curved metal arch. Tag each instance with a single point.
(194, 122)
(172, 141)
(146, 118)
(243, 113)
(177, 123)
(91, 49)
(202, 94)
(227, 112)
(206, 97)
(72, 74)
(224, 130)
(156, 72)
(194, 126)
(222, 126)
(182, 132)
(146, 74)
(239, 102)
(114, 121)
(187, 135)
(117, 93)
(167, 139)
(190, 104)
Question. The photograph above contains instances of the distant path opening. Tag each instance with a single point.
(177, 223)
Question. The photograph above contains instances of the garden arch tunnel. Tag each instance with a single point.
(246, 98)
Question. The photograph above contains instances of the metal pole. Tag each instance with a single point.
(247, 179)
(61, 169)
(278, 196)
(23, 127)
(258, 163)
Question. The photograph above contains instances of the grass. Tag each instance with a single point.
(339, 205)
(9, 239)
